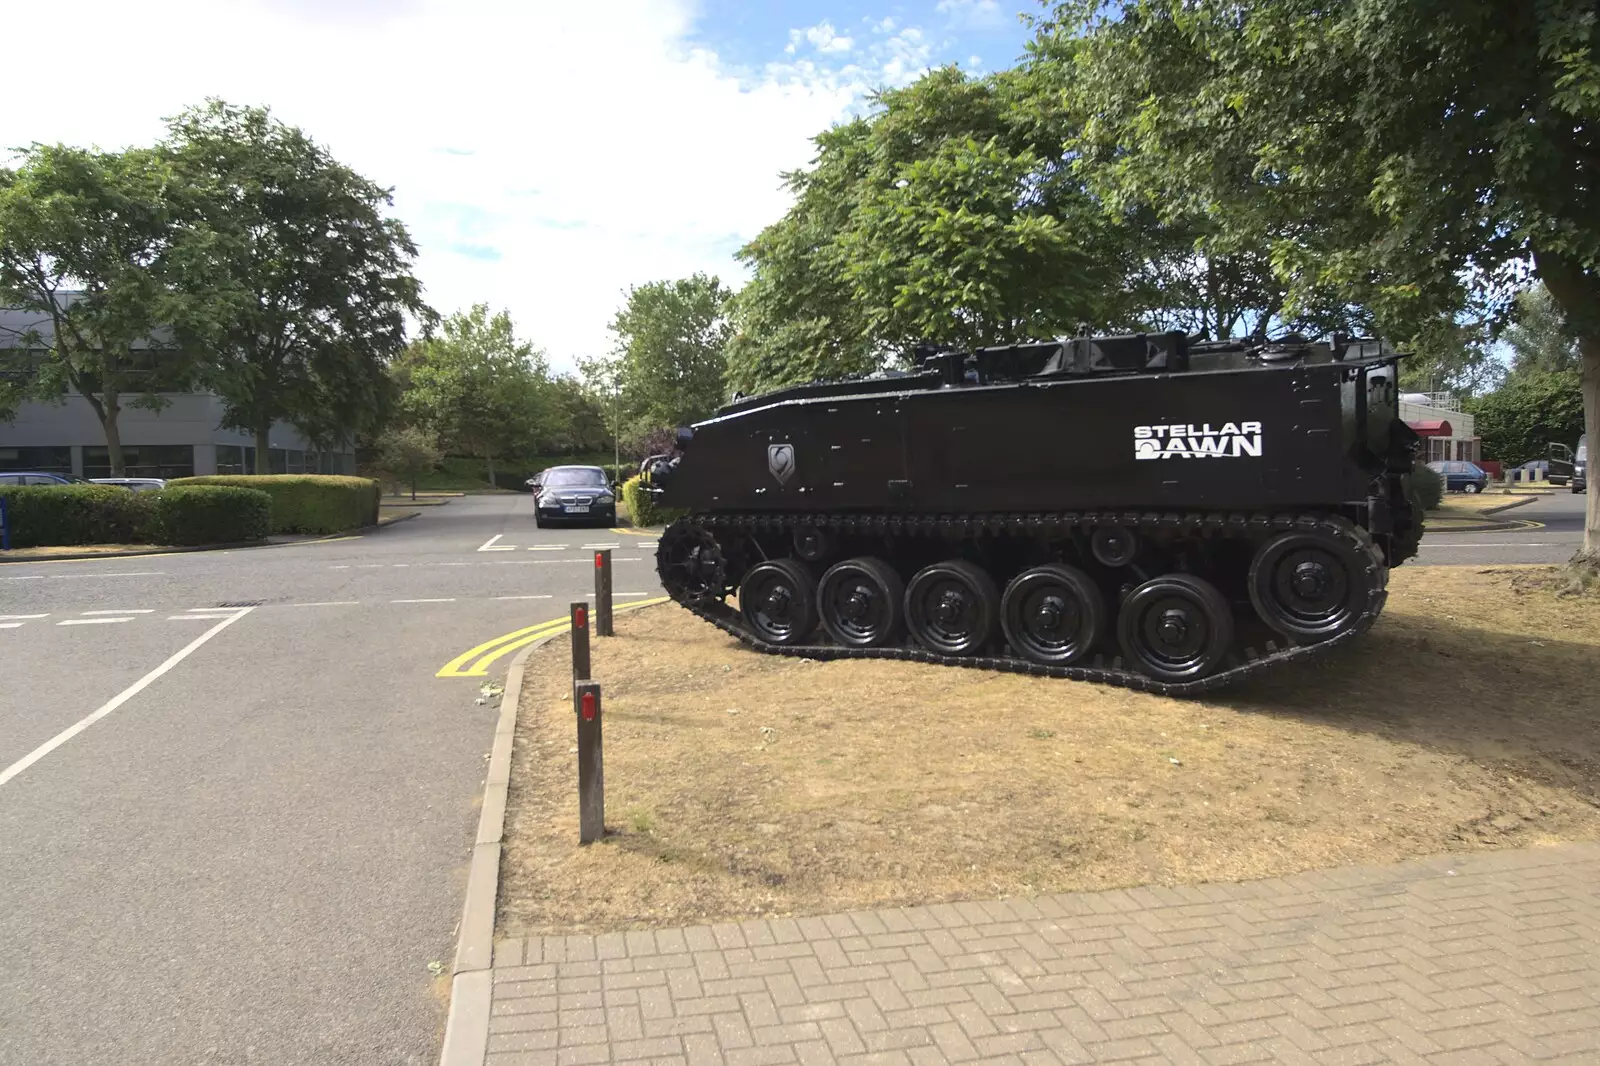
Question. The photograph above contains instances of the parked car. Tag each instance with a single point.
(1460, 476)
(1580, 465)
(34, 477)
(577, 494)
(136, 484)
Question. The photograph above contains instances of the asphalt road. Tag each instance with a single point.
(255, 856)
(1553, 533)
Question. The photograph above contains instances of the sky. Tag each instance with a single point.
(544, 156)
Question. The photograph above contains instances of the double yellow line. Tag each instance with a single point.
(477, 661)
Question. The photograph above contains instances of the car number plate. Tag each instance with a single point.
(576, 508)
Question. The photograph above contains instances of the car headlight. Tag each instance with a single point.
(605, 497)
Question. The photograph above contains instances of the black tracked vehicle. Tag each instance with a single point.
(1138, 510)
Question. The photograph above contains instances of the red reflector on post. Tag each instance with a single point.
(599, 560)
(588, 706)
(582, 617)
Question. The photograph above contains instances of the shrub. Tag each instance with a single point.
(307, 503)
(642, 509)
(49, 515)
(210, 514)
(1425, 487)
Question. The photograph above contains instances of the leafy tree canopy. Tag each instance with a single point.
(669, 359)
(307, 283)
(90, 246)
(1416, 157)
(477, 386)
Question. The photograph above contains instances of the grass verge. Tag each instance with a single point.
(741, 785)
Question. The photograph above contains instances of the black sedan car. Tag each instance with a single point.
(580, 495)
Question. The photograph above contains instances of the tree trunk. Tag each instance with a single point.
(1577, 293)
(1589, 345)
(263, 446)
(490, 457)
(109, 411)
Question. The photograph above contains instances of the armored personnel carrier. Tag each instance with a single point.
(1138, 510)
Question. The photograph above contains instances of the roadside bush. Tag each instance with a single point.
(307, 503)
(41, 515)
(210, 514)
(642, 509)
(1425, 488)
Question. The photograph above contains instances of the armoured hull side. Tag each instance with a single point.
(1267, 437)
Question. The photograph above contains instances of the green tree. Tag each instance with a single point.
(669, 356)
(406, 453)
(1539, 339)
(1414, 156)
(484, 392)
(308, 283)
(89, 244)
(1532, 410)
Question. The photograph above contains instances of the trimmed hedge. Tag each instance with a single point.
(210, 514)
(307, 503)
(642, 509)
(50, 515)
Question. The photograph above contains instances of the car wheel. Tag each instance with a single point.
(1470, 487)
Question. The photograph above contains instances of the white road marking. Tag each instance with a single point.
(343, 566)
(493, 545)
(549, 547)
(196, 617)
(368, 566)
(1491, 544)
(116, 701)
(131, 610)
(597, 547)
(523, 597)
(23, 617)
(450, 599)
(70, 577)
(400, 566)
(327, 603)
(10, 625)
(94, 621)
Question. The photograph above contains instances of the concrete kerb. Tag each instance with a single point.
(466, 1029)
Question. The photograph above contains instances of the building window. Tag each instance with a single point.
(141, 460)
(44, 460)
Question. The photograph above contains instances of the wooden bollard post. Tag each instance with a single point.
(591, 763)
(602, 593)
(580, 641)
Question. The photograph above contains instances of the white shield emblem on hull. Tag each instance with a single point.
(780, 460)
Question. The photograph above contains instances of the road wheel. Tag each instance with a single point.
(1176, 627)
(1053, 614)
(778, 601)
(951, 607)
(1310, 587)
(1470, 487)
(860, 601)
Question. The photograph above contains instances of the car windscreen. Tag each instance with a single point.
(571, 479)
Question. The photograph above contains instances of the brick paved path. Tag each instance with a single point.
(1491, 958)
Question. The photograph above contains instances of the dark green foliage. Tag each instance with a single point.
(208, 514)
(75, 514)
(1425, 488)
(308, 503)
(1532, 410)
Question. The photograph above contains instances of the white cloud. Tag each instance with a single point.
(824, 39)
(973, 14)
(544, 156)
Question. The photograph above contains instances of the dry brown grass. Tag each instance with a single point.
(741, 784)
(54, 551)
